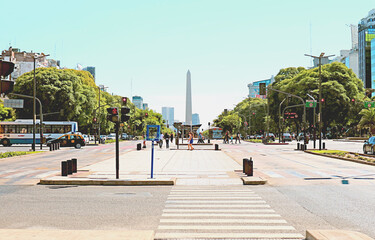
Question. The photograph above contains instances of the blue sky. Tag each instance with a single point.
(225, 44)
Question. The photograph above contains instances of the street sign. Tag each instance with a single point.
(310, 103)
(369, 104)
(13, 103)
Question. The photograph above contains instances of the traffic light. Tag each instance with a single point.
(124, 101)
(124, 112)
(146, 115)
(94, 120)
(353, 100)
(322, 100)
(112, 114)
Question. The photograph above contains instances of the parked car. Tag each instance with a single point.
(111, 136)
(69, 140)
(124, 136)
(258, 137)
(287, 137)
(271, 136)
(86, 137)
(369, 146)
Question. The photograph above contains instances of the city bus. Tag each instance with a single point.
(21, 131)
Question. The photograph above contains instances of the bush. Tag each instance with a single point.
(12, 154)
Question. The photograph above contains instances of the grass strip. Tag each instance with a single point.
(17, 153)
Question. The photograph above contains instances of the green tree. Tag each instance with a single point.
(6, 114)
(367, 118)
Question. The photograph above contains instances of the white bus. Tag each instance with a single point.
(21, 131)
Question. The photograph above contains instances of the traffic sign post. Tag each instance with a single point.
(310, 104)
(369, 104)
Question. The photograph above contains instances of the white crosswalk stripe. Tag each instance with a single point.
(202, 213)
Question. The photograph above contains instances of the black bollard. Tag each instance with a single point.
(297, 146)
(216, 147)
(324, 145)
(58, 145)
(74, 165)
(70, 169)
(64, 168)
(50, 147)
(139, 146)
(208, 141)
(305, 147)
(244, 162)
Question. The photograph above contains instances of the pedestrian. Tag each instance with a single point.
(161, 140)
(171, 138)
(200, 138)
(190, 144)
(166, 137)
(231, 139)
(238, 137)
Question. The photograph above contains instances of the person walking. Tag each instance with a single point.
(190, 144)
(238, 137)
(171, 138)
(166, 137)
(161, 140)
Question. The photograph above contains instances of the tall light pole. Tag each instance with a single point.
(320, 119)
(34, 99)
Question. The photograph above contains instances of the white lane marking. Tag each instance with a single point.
(168, 220)
(217, 210)
(211, 235)
(215, 206)
(220, 215)
(217, 201)
(213, 198)
(212, 227)
(273, 174)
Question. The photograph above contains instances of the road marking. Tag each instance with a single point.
(210, 220)
(217, 210)
(216, 206)
(220, 215)
(214, 201)
(213, 198)
(297, 174)
(210, 235)
(273, 174)
(212, 227)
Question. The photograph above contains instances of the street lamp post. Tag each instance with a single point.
(313, 119)
(34, 100)
(320, 119)
(280, 119)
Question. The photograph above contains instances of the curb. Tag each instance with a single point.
(335, 235)
(31, 234)
(146, 182)
(341, 158)
(253, 181)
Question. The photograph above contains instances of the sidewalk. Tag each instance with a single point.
(203, 167)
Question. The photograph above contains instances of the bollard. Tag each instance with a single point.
(74, 165)
(53, 146)
(244, 162)
(249, 166)
(324, 145)
(50, 147)
(70, 169)
(314, 144)
(305, 147)
(139, 146)
(216, 147)
(64, 168)
(297, 146)
(58, 145)
(208, 141)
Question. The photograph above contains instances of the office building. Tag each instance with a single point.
(195, 119)
(366, 32)
(373, 65)
(254, 87)
(90, 70)
(145, 106)
(168, 115)
(24, 61)
(138, 101)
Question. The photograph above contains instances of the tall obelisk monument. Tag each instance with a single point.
(189, 111)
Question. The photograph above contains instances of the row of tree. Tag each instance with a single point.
(342, 101)
(72, 95)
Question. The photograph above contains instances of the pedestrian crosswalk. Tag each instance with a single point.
(215, 213)
(24, 176)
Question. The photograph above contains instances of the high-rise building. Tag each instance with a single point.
(366, 32)
(90, 70)
(145, 106)
(138, 101)
(254, 87)
(195, 119)
(373, 64)
(188, 109)
(168, 115)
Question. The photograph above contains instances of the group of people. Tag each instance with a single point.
(230, 136)
(166, 137)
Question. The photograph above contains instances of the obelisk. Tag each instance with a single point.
(189, 111)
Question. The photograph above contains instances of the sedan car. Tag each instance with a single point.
(69, 140)
(287, 137)
(369, 145)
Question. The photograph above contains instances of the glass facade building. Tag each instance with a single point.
(254, 87)
(168, 115)
(366, 32)
(373, 64)
(138, 101)
(195, 119)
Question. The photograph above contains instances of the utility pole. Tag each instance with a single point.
(320, 119)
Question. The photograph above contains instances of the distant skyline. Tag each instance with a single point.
(146, 47)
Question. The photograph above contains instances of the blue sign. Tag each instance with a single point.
(153, 133)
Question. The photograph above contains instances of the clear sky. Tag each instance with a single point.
(151, 44)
